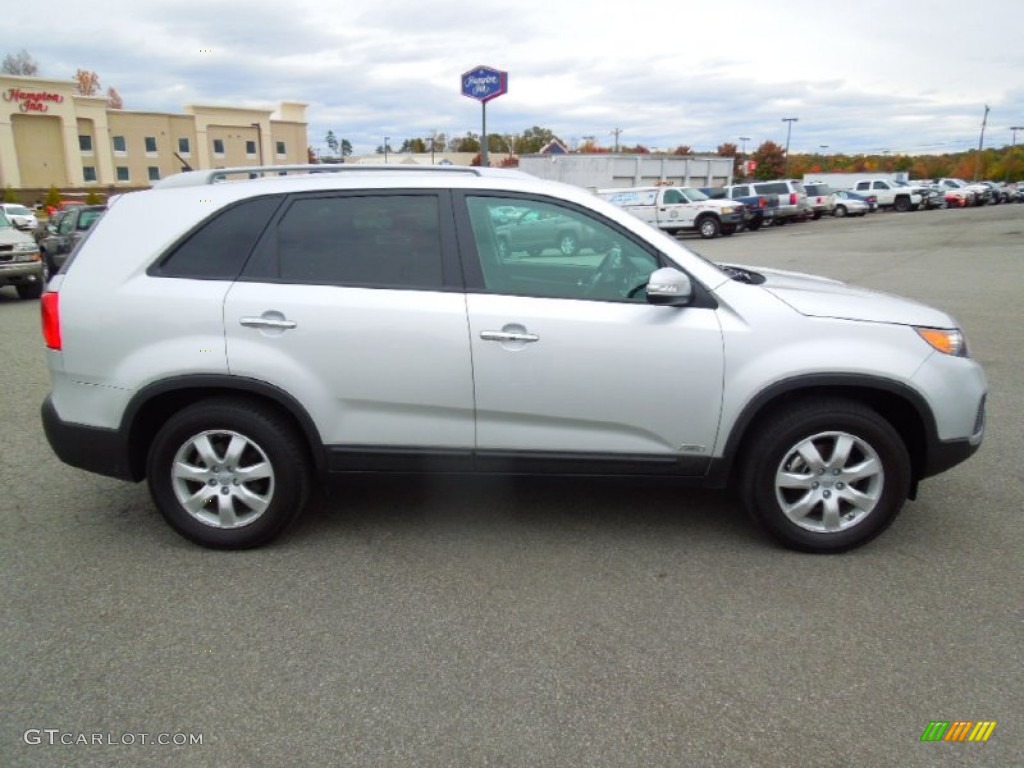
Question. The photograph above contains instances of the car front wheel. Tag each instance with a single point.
(840, 211)
(825, 475)
(708, 227)
(228, 474)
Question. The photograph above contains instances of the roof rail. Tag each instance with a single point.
(215, 175)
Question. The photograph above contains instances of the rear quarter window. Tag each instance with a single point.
(219, 247)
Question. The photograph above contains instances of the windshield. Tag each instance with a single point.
(17, 210)
(694, 195)
(5, 223)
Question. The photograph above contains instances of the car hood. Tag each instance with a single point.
(823, 297)
(13, 236)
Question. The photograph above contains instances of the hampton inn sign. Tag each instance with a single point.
(32, 101)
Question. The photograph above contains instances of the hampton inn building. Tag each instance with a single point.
(51, 136)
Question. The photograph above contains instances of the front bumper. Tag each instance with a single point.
(21, 272)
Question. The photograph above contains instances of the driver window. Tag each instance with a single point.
(532, 248)
(66, 224)
(674, 197)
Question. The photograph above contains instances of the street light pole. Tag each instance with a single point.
(1015, 128)
(823, 147)
(789, 130)
(981, 143)
(743, 154)
(386, 140)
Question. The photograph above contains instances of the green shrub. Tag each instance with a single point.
(10, 196)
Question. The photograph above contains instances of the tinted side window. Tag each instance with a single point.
(219, 248)
(673, 197)
(385, 241)
(772, 188)
(741, 191)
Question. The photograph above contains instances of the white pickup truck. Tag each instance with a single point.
(678, 209)
(891, 194)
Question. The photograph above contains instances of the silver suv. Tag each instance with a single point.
(229, 341)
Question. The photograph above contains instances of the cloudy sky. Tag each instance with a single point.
(861, 75)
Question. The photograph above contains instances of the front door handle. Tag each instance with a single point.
(507, 336)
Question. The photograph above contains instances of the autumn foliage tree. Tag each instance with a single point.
(771, 161)
(20, 63)
(86, 82)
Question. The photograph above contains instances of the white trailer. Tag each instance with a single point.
(847, 181)
(625, 171)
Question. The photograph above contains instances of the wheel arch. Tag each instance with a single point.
(897, 403)
(150, 408)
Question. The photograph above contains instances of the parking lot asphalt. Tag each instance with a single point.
(471, 622)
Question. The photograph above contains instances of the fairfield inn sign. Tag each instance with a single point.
(32, 101)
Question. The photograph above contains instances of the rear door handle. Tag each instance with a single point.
(267, 322)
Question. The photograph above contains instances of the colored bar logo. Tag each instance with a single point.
(958, 730)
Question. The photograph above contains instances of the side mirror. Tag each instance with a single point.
(669, 287)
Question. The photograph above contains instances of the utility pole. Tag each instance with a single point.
(615, 132)
(386, 140)
(743, 154)
(1015, 128)
(981, 143)
(789, 130)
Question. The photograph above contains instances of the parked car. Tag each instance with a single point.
(820, 198)
(539, 230)
(759, 209)
(65, 231)
(229, 342)
(849, 204)
(20, 263)
(678, 209)
(891, 194)
(21, 217)
(792, 197)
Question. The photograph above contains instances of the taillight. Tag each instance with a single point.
(48, 305)
(792, 198)
(762, 203)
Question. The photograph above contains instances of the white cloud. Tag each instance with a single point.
(911, 75)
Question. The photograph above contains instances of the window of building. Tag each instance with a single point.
(85, 143)
(218, 147)
(250, 149)
(89, 172)
(119, 144)
(154, 173)
(183, 146)
(122, 173)
(281, 149)
(151, 144)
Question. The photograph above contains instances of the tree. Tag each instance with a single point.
(10, 196)
(416, 146)
(532, 140)
(86, 82)
(332, 142)
(20, 63)
(52, 197)
(346, 147)
(468, 143)
(114, 100)
(639, 149)
(440, 141)
(93, 198)
(683, 149)
(311, 156)
(771, 161)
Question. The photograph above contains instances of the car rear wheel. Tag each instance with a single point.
(840, 211)
(902, 204)
(825, 476)
(228, 474)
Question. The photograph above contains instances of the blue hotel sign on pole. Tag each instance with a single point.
(484, 84)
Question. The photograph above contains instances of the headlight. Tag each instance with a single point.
(25, 247)
(728, 209)
(948, 341)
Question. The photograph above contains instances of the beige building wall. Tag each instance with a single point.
(51, 136)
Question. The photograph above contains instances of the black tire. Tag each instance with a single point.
(755, 224)
(728, 230)
(781, 222)
(773, 472)
(271, 443)
(816, 215)
(902, 204)
(708, 227)
(839, 211)
(31, 290)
